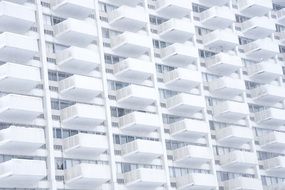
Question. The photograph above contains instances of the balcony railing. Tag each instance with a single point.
(15, 17)
(84, 176)
(144, 178)
(189, 128)
(135, 96)
(78, 87)
(173, 8)
(229, 110)
(223, 63)
(222, 40)
(196, 181)
(271, 117)
(75, 32)
(17, 48)
(185, 104)
(72, 8)
(128, 18)
(82, 116)
(243, 183)
(234, 135)
(182, 79)
(265, 71)
(142, 150)
(227, 87)
(85, 145)
(176, 30)
(179, 55)
(192, 155)
(18, 78)
(139, 122)
(273, 141)
(258, 27)
(217, 17)
(130, 44)
(268, 94)
(22, 173)
(255, 8)
(134, 70)
(77, 60)
(238, 160)
(261, 49)
(21, 139)
(20, 108)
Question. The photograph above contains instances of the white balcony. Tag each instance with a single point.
(265, 72)
(139, 122)
(15, 17)
(276, 186)
(17, 48)
(182, 79)
(271, 117)
(275, 166)
(196, 181)
(229, 110)
(72, 8)
(19, 108)
(176, 30)
(135, 96)
(217, 17)
(80, 87)
(261, 49)
(214, 2)
(258, 27)
(21, 173)
(192, 155)
(128, 18)
(83, 144)
(142, 150)
(87, 176)
(131, 3)
(279, 2)
(268, 94)
(189, 128)
(255, 7)
(226, 87)
(18, 1)
(273, 141)
(185, 104)
(21, 139)
(75, 32)
(131, 69)
(82, 116)
(223, 63)
(234, 135)
(221, 39)
(77, 60)
(174, 8)
(281, 16)
(130, 44)
(18, 78)
(144, 178)
(238, 160)
(243, 183)
(179, 55)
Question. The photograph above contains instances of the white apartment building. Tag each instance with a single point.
(142, 95)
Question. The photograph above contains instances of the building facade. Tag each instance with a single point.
(142, 94)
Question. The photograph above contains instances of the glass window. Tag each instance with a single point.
(57, 133)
